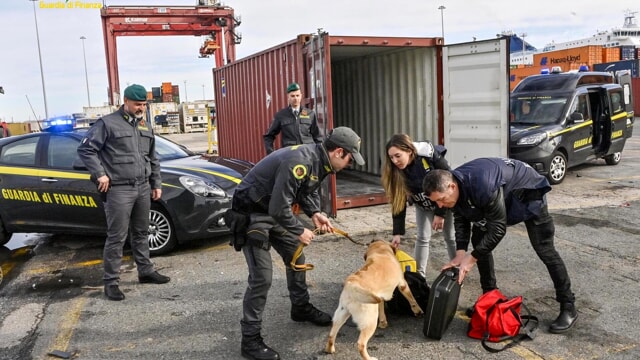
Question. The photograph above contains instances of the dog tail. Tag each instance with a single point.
(362, 295)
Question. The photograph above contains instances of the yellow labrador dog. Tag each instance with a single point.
(365, 292)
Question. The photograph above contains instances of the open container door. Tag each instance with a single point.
(476, 100)
(316, 54)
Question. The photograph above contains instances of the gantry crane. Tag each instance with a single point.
(215, 21)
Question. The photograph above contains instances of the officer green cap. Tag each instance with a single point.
(293, 87)
(135, 92)
(347, 139)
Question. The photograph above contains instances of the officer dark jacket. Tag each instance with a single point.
(295, 131)
(122, 148)
(495, 193)
(288, 175)
(428, 157)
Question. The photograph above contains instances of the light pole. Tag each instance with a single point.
(441, 8)
(203, 92)
(185, 91)
(86, 76)
(44, 92)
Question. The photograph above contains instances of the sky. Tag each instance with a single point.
(149, 61)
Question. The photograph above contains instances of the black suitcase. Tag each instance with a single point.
(442, 305)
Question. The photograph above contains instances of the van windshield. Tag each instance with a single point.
(538, 110)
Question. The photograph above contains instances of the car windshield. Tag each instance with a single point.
(538, 110)
(168, 150)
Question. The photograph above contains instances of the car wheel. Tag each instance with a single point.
(613, 159)
(4, 235)
(162, 235)
(557, 168)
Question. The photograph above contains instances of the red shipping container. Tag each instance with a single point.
(635, 86)
(175, 90)
(167, 97)
(377, 86)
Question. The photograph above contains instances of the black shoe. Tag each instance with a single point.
(113, 292)
(254, 348)
(154, 278)
(566, 319)
(310, 313)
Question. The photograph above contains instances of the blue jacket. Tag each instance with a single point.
(428, 157)
(495, 193)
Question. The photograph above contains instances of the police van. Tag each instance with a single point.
(562, 119)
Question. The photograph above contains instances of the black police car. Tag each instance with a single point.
(44, 188)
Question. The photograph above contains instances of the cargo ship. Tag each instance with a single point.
(627, 35)
(613, 50)
(625, 39)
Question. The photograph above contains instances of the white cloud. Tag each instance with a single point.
(152, 60)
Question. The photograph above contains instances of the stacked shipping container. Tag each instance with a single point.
(572, 59)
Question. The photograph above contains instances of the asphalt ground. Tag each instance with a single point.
(53, 300)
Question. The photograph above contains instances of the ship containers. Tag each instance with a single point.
(628, 52)
(456, 95)
(630, 65)
(157, 114)
(570, 59)
(635, 86)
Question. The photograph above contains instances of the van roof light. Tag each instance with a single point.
(556, 70)
(583, 68)
(544, 71)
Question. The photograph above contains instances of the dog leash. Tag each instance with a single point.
(298, 253)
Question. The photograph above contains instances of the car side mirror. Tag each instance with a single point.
(79, 165)
(576, 117)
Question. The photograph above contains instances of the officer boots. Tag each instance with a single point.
(309, 313)
(565, 320)
(254, 348)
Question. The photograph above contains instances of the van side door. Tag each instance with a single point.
(624, 79)
(602, 123)
(580, 130)
(619, 120)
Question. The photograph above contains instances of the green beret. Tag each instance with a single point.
(293, 87)
(135, 92)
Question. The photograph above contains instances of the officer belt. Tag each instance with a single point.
(130, 182)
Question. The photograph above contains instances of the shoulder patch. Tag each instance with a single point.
(299, 172)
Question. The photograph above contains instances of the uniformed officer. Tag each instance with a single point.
(297, 124)
(266, 193)
(119, 152)
(487, 195)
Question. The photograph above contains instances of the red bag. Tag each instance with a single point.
(497, 318)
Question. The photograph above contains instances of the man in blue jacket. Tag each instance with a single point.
(487, 195)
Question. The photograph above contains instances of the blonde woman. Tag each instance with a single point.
(405, 167)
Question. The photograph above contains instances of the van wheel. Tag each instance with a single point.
(613, 159)
(162, 234)
(557, 168)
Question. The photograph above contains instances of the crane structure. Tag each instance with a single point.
(215, 21)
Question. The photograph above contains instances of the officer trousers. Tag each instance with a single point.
(262, 234)
(541, 231)
(127, 206)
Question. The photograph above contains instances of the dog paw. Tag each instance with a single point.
(330, 350)
(383, 324)
(417, 311)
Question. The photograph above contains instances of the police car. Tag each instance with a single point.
(45, 188)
